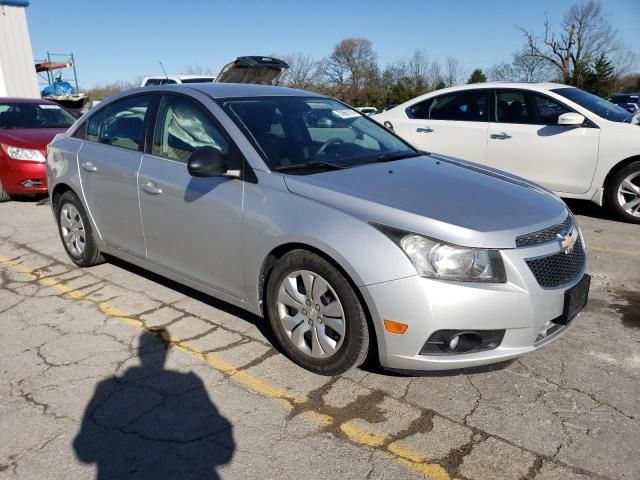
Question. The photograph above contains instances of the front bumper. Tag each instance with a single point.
(520, 307)
(23, 178)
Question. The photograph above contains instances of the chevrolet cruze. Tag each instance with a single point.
(347, 239)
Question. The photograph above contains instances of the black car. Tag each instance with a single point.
(628, 101)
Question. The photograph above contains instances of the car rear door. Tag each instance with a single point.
(453, 124)
(525, 139)
(192, 225)
(109, 159)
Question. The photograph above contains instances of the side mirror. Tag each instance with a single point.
(206, 162)
(571, 119)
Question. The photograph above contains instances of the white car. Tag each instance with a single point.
(152, 80)
(574, 143)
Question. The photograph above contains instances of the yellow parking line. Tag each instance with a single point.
(612, 250)
(409, 459)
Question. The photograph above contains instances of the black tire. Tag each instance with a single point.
(611, 192)
(90, 255)
(355, 343)
(4, 196)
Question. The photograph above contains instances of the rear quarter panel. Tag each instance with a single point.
(62, 164)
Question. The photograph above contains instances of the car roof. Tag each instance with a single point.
(526, 85)
(229, 90)
(26, 100)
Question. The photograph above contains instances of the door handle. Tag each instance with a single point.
(89, 167)
(424, 129)
(151, 188)
(500, 136)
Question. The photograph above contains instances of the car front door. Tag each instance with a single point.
(453, 124)
(109, 159)
(192, 225)
(525, 139)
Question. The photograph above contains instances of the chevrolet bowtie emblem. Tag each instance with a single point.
(568, 241)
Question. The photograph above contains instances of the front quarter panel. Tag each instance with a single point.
(275, 217)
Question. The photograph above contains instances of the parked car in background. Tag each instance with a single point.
(343, 236)
(26, 128)
(367, 110)
(256, 69)
(175, 79)
(574, 143)
(629, 101)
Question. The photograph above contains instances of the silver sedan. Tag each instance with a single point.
(298, 208)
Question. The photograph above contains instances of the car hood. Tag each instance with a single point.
(35, 138)
(451, 200)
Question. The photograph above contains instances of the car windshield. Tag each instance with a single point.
(313, 133)
(34, 115)
(601, 107)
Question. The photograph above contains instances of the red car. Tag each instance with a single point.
(27, 125)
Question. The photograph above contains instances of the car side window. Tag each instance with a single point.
(469, 106)
(548, 110)
(419, 110)
(182, 127)
(512, 107)
(120, 124)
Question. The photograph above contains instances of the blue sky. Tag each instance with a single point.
(124, 39)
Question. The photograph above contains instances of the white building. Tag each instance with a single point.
(18, 76)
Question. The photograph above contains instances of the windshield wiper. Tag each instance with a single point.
(390, 157)
(311, 166)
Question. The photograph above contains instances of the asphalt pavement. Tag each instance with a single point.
(113, 372)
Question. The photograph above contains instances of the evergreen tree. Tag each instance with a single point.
(477, 76)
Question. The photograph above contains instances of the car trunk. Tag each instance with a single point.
(261, 70)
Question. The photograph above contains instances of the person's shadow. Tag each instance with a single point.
(153, 423)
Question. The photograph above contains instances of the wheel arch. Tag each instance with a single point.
(278, 252)
(57, 192)
(617, 167)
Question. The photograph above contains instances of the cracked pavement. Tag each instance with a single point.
(113, 372)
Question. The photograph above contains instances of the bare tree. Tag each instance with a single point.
(522, 68)
(435, 75)
(453, 72)
(417, 69)
(351, 68)
(304, 72)
(198, 70)
(583, 36)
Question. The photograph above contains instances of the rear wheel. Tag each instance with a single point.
(623, 194)
(4, 196)
(75, 230)
(316, 315)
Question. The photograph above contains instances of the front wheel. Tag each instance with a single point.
(316, 315)
(75, 230)
(623, 194)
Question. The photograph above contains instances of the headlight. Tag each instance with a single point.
(24, 154)
(434, 259)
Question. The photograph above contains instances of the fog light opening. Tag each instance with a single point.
(453, 342)
(464, 342)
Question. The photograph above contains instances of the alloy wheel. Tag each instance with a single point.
(72, 227)
(629, 194)
(311, 314)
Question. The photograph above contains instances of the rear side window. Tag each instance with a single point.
(469, 106)
(120, 124)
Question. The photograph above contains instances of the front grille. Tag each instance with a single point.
(560, 268)
(544, 236)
